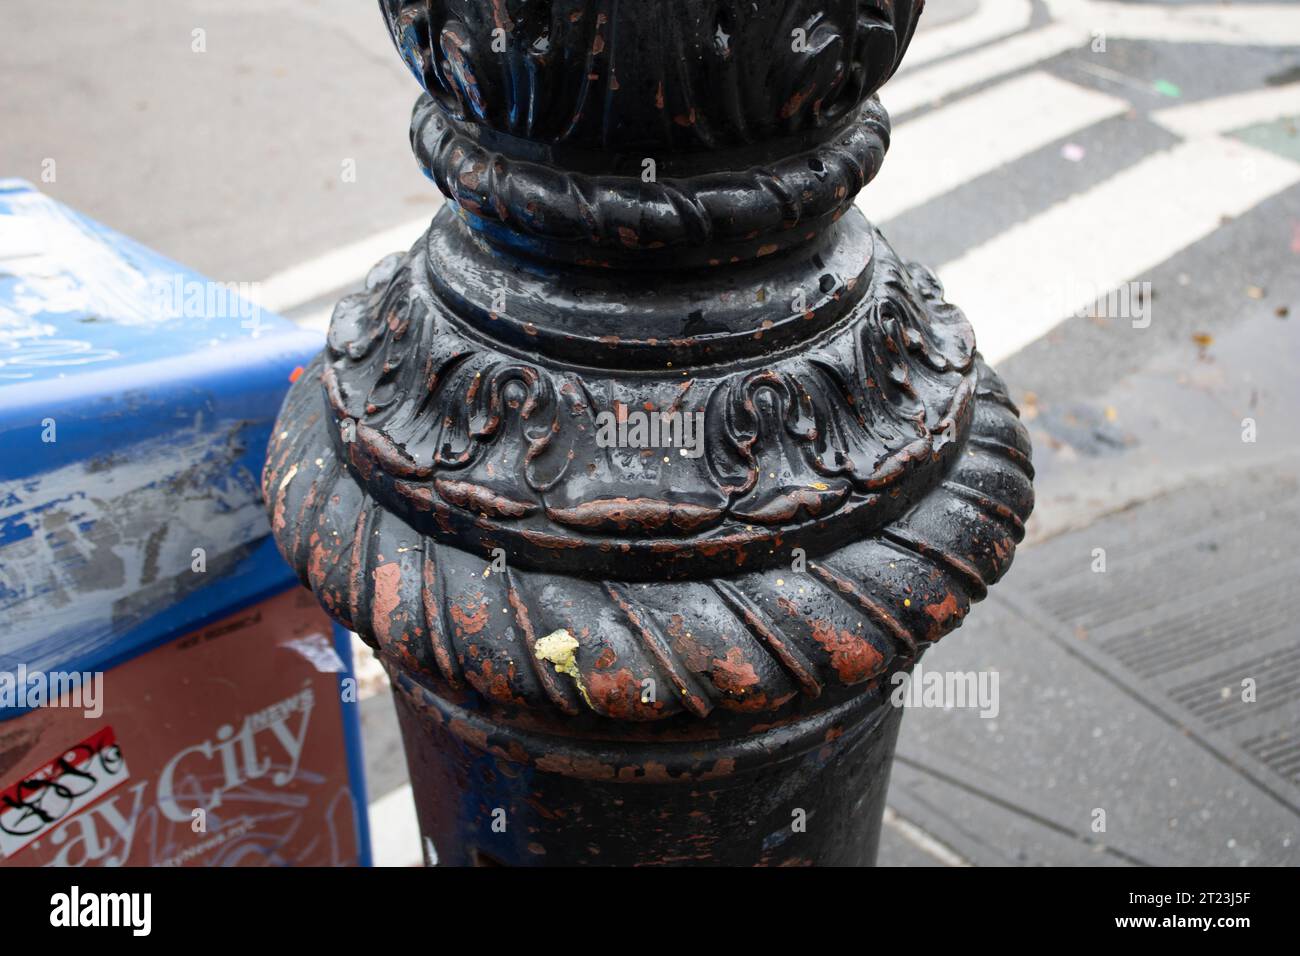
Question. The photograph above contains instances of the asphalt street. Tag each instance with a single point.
(1045, 154)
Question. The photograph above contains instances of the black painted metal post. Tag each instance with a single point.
(651, 464)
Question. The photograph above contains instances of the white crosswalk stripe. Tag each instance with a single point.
(990, 22)
(1021, 284)
(950, 146)
(925, 87)
(394, 829)
(1224, 113)
(314, 278)
(1262, 24)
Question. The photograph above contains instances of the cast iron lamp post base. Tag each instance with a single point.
(676, 644)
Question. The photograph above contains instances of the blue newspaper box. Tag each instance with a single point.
(168, 694)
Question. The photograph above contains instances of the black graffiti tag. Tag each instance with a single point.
(41, 800)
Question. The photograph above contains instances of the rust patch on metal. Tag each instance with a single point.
(634, 513)
(471, 618)
(943, 613)
(853, 658)
(387, 599)
(484, 500)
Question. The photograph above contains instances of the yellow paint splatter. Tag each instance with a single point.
(560, 649)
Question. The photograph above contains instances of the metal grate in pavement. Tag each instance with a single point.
(1216, 698)
(1197, 612)
(1279, 750)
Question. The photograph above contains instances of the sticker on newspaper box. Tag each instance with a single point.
(62, 788)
